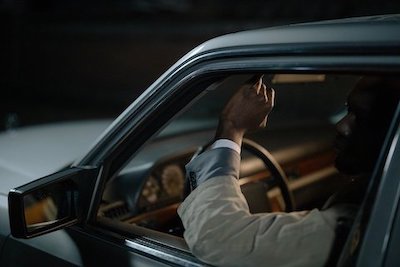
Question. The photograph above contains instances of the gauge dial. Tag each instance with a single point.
(151, 190)
(173, 180)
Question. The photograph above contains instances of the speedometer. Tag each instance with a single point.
(173, 180)
(151, 190)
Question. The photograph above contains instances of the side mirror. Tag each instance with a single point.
(50, 203)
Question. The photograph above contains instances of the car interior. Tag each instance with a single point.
(143, 197)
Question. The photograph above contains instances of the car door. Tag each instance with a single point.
(158, 246)
(381, 213)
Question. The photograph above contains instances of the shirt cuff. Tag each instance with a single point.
(226, 143)
(213, 163)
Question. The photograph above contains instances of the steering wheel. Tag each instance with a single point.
(275, 169)
(272, 165)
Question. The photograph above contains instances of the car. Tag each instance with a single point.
(110, 190)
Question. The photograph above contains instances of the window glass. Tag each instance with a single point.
(153, 181)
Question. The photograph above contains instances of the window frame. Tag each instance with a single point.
(142, 120)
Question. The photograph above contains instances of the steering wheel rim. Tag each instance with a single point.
(275, 169)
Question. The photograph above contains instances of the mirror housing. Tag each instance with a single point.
(51, 203)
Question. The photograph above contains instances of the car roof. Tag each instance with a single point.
(361, 31)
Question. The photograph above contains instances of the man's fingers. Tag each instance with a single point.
(258, 86)
(262, 92)
(256, 82)
(254, 79)
(269, 95)
(263, 124)
(265, 93)
(270, 92)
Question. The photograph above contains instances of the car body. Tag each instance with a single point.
(137, 144)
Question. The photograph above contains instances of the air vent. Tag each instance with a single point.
(117, 210)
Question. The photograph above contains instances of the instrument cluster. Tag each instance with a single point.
(164, 186)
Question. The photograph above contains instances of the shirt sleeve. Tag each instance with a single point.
(220, 230)
(225, 160)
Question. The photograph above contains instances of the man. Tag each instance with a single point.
(219, 228)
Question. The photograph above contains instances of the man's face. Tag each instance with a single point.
(360, 133)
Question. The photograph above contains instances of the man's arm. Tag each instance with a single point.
(219, 228)
(248, 109)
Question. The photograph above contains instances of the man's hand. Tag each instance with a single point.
(248, 109)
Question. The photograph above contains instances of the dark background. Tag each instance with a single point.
(71, 59)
